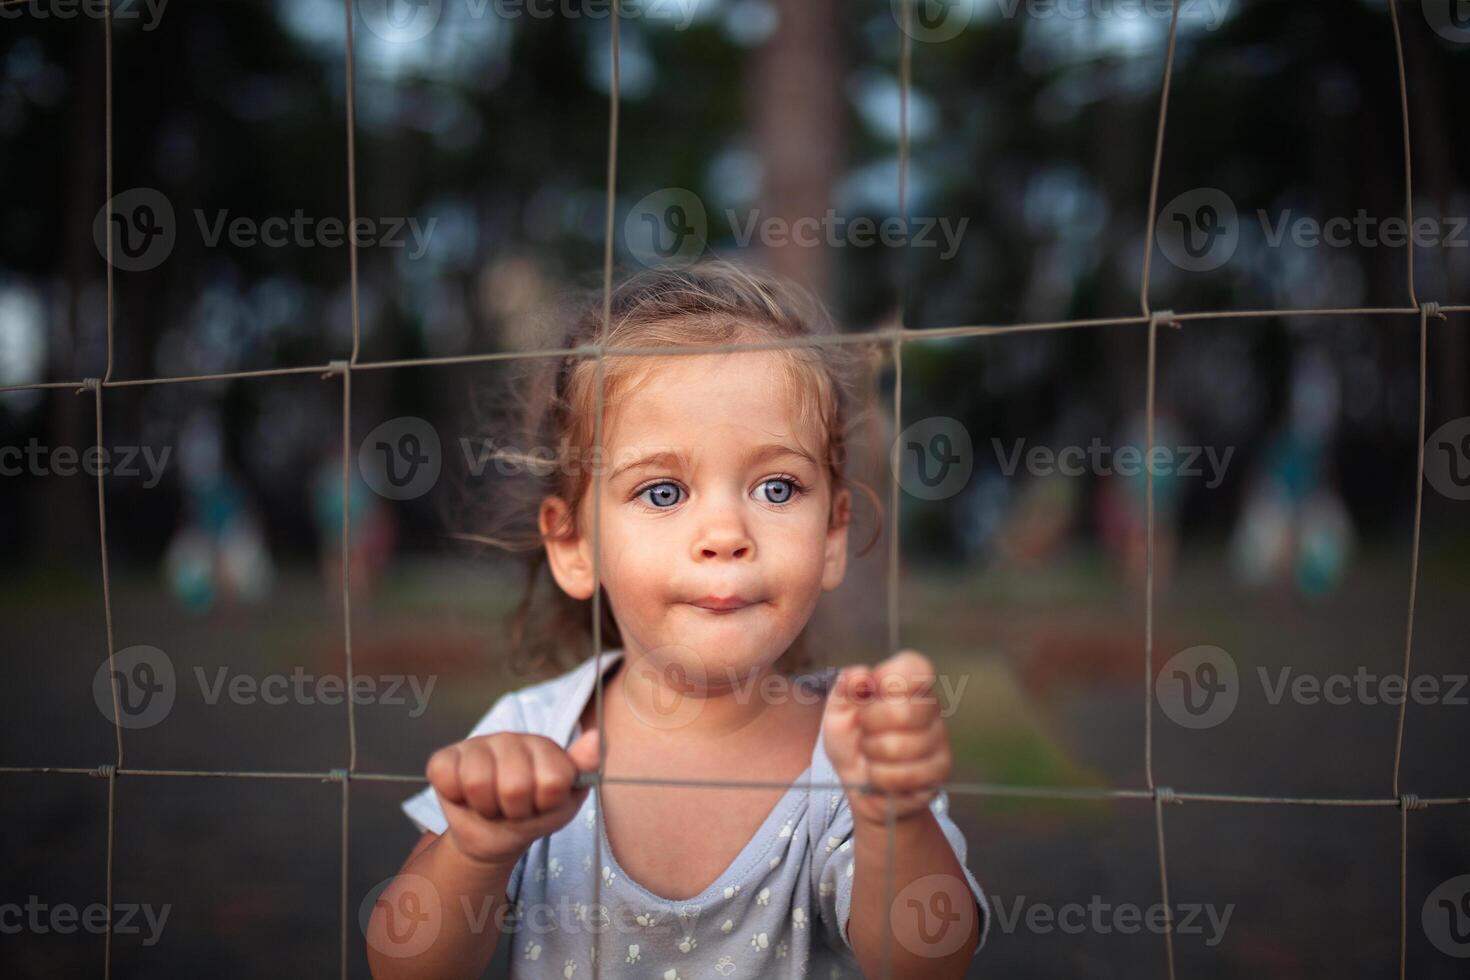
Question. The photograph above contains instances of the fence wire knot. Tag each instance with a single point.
(335, 776)
(90, 384)
(1432, 309)
(1408, 801)
(105, 771)
(1164, 318)
(335, 368)
(1165, 795)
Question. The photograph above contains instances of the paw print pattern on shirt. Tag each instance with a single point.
(533, 951)
(569, 969)
(633, 953)
(687, 944)
(764, 897)
(725, 966)
(760, 941)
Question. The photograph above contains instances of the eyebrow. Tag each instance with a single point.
(670, 458)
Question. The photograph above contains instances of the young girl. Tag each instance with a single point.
(723, 515)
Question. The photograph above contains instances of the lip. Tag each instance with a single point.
(722, 604)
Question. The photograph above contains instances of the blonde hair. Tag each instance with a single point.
(709, 304)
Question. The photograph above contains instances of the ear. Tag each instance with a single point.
(568, 551)
(834, 562)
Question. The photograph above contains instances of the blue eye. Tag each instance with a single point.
(780, 490)
(661, 495)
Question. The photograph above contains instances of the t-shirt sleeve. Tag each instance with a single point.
(832, 868)
(505, 715)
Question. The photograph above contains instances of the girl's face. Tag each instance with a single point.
(718, 531)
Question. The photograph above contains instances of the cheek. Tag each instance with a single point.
(635, 562)
(795, 554)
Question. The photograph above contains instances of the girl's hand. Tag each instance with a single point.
(501, 792)
(883, 727)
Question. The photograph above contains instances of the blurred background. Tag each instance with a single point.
(766, 131)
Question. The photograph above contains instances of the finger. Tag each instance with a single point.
(515, 779)
(906, 803)
(892, 713)
(854, 687)
(552, 774)
(911, 666)
(477, 775)
(443, 774)
(907, 777)
(901, 745)
(584, 751)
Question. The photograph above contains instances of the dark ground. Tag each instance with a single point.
(250, 867)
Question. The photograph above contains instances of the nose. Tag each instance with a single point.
(723, 535)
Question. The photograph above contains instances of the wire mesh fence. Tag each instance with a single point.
(1148, 321)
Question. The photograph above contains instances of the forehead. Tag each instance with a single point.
(696, 400)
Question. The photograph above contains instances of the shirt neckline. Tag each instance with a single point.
(756, 848)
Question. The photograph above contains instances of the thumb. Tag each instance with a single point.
(584, 751)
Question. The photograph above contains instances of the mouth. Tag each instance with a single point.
(723, 604)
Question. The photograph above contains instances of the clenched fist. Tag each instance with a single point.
(883, 727)
(501, 792)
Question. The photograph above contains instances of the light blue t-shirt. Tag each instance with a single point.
(779, 910)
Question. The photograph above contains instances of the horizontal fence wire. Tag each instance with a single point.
(895, 338)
